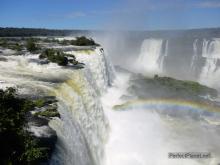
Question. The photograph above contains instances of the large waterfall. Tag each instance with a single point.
(151, 56)
(196, 59)
(210, 71)
(83, 128)
(103, 123)
(143, 131)
(83, 131)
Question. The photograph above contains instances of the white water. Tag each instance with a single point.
(151, 60)
(195, 55)
(136, 137)
(142, 136)
(210, 72)
(83, 128)
(151, 57)
(98, 67)
(163, 56)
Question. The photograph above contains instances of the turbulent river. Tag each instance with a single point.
(95, 130)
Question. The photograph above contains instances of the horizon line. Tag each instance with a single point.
(120, 30)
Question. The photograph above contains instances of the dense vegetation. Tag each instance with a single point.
(29, 32)
(190, 87)
(167, 87)
(83, 41)
(80, 41)
(58, 57)
(17, 146)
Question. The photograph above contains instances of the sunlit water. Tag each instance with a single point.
(92, 132)
(142, 135)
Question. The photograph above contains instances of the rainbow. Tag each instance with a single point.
(169, 103)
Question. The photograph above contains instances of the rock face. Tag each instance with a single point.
(38, 124)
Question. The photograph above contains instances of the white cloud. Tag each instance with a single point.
(209, 4)
(75, 15)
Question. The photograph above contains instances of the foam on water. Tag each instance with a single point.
(145, 134)
(83, 128)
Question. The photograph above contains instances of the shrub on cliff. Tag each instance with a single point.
(57, 57)
(31, 45)
(83, 41)
(17, 146)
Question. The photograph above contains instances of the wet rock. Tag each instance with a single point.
(38, 124)
(3, 59)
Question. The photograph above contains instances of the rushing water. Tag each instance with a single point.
(145, 133)
(83, 128)
(92, 131)
(197, 60)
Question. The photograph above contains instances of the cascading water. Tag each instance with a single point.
(163, 56)
(195, 55)
(97, 63)
(92, 132)
(197, 60)
(210, 71)
(145, 131)
(151, 56)
(83, 129)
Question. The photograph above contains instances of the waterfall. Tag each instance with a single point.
(210, 71)
(195, 55)
(193, 59)
(150, 53)
(151, 56)
(97, 63)
(83, 129)
(163, 56)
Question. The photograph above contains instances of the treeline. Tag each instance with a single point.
(27, 32)
(190, 33)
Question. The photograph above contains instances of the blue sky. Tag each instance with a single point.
(110, 14)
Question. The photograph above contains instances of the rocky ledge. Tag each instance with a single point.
(25, 135)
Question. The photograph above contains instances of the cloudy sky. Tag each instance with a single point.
(110, 14)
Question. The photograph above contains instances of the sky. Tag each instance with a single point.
(110, 14)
